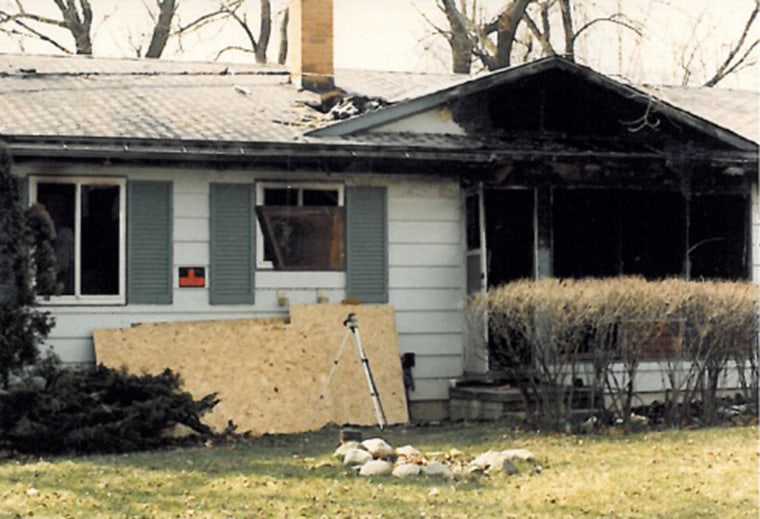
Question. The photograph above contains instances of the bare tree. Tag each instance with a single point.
(569, 31)
(468, 36)
(75, 17)
(49, 21)
(167, 23)
(259, 46)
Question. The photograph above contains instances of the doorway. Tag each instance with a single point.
(510, 235)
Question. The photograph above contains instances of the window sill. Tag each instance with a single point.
(82, 301)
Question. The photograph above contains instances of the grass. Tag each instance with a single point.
(689, 474)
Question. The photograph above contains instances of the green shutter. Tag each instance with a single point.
(367, 244)
(149, 243)
(232, 248)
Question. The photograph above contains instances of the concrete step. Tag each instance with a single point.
(486, 402)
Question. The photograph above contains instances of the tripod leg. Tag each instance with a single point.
(378, 405)
(333, 368)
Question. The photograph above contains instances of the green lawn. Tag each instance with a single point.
(695, 473)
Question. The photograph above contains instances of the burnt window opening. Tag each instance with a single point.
(602, 233)
(301, 227)
(718, 236)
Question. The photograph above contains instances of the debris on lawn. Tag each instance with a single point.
(378, 447)
(357, 457)
(375, 457)
(376, 467)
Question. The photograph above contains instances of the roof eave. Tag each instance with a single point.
(241, 151)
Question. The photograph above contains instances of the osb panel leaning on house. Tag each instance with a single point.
(270, 374)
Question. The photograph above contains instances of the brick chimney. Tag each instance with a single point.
(310, 44)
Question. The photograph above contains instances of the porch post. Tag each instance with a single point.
(686, 193)
(542, 228)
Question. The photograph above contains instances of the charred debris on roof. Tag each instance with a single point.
(338, 104)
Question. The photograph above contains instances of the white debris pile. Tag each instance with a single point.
(375, 457)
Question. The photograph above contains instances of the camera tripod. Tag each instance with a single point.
(353, 329)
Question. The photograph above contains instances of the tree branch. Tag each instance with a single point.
(617, 18)
(723, 69)
(739, 64)
(545, 21)
(162, 28)
(231, 48)
(223, 10)
(265, 30)
(36, 34)
(282, 54)
(443, 32)
(546, 45)
(243, 22)
(509, 21)
(86, 12)
(567, 27)
(23, 15)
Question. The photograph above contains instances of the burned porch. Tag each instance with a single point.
(592, 181)
(570, 173)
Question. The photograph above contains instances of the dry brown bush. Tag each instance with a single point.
(555, 330)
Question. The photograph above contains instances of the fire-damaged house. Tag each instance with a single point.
(198, 191)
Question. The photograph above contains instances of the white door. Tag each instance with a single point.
(476, 346)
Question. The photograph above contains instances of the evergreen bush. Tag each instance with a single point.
(57, 410)
(23, 326)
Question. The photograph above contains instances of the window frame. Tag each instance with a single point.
(79, 181)
(268, 265)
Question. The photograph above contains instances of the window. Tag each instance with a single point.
(611, 232)
(88, 215)
(300, 227)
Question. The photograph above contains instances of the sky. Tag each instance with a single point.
(397, 35)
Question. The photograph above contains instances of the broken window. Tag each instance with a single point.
(611, 232)
(300, 227)
(89, 243)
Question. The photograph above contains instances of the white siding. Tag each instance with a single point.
(426, 278)
(426, 275)
(652, 376)
(437, 120)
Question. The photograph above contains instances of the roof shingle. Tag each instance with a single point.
(84, 97)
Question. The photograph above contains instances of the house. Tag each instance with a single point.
(167, 182)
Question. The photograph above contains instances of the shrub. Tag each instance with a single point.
(22, 326)
(600, 330)
(58, 410)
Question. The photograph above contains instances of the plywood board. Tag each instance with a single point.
(271, 373)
